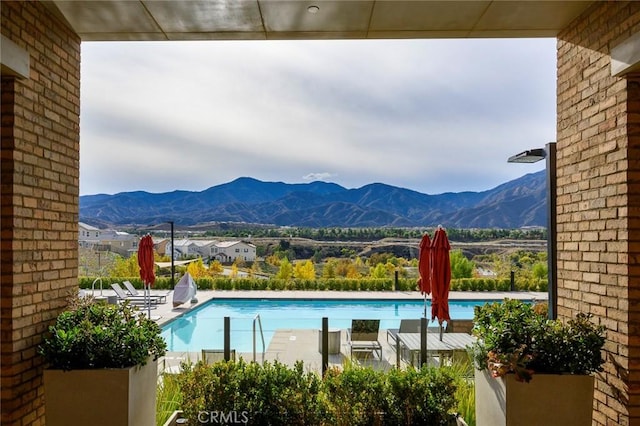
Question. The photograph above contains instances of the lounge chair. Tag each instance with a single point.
(363, 337)
(155, 298)
(122, 296)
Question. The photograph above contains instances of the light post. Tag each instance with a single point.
(532, 156)
(172, 251)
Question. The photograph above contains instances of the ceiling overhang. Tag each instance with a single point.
(138, 20)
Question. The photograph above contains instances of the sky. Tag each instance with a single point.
(432, 116)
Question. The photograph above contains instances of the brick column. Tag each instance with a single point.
(598, 183)
(39, 200)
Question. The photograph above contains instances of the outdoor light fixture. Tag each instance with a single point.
(313, 9)
(529, 156)
(532, 156)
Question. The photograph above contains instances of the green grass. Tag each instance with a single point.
(169, 397)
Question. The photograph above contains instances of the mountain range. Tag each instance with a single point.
(520, 202)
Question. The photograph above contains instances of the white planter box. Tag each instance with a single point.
(548, 399)
(123, 397)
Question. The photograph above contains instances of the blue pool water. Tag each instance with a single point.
(203, 327)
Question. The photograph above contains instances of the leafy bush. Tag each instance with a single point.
(272, 393)
(354, 396)
(95, 335)
(262, 393)
(515, 337)
(420, 397)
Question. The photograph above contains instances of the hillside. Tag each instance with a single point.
(515, 204)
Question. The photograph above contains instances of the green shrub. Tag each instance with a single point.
(168, 399)
(277, 284)
(504, 284)
(274, 394)
(336, 284)
(98, 335)
(514, 337)
(354, 396)
(264, 394)
(420, 397)
(462, 371)
(493, 284)
(204, 283)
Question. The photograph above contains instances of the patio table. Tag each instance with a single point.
(450, 343)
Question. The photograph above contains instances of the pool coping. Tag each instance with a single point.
(165, 313)
(203, 296)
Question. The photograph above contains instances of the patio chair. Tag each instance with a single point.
(408, 326)
(210, 356)
(155, 298)
(459, 326)
(362, 337)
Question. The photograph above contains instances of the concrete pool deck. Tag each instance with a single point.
(290, 345)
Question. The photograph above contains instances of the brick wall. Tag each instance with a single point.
(598, 178)
(39, 200)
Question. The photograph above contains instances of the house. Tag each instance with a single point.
(119, 242)
(88, 236)
(184, 248)
(205, 248)
(229, 251)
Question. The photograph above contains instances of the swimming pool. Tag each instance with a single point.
(203, 327)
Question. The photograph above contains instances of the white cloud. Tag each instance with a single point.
(429, 115)
(318, 176)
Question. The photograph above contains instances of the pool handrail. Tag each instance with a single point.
(257, 318)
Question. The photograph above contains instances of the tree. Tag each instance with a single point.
(234, 270)
(329, 269)
(461, 267)
(196, 269)
(273, 260)
(215, 267)
(286, 270)
(353, 272)
(540, 271)
(125, 268)
(305, 270)
(255, 269)
(378, 271)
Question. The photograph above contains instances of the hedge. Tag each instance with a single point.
(275, 394)
(322, 284)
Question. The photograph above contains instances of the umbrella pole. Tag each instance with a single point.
(425, 305)
(147, 293)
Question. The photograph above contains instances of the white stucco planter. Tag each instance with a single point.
(548, 399)
(124, 397)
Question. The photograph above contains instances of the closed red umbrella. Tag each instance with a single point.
(440, 276)
(424, 268)
(424, 265)
(147, 266)
(146, 260)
